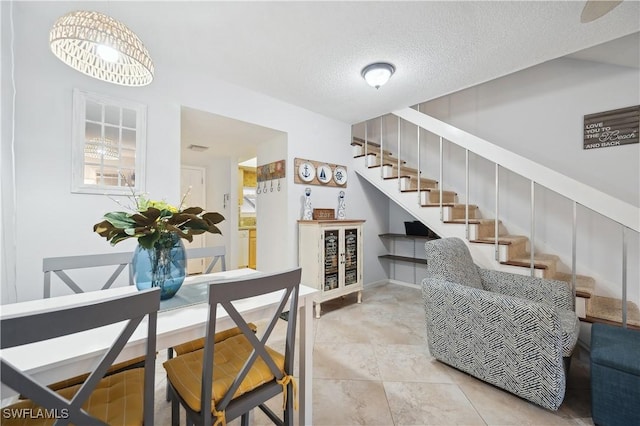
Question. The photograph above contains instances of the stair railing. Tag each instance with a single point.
(626, 215)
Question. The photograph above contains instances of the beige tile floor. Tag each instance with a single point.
(372, 367)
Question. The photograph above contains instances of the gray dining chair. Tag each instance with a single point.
(124, 398)
(226, 380)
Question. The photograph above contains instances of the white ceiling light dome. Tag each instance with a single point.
(101, 47)
(378, 74)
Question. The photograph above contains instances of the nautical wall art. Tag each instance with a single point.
(310, 172)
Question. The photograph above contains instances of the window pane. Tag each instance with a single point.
(128, 159)
(92, 131)
(90, 175)
(110, 176)
(112, 133)
(128, 139)
(128, 118)
(94, 111)
(112, 114)
(128, 177)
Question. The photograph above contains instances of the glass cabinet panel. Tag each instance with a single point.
(351, 256)
(331, 245)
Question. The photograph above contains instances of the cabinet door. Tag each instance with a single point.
(351, 258)
(330, 249)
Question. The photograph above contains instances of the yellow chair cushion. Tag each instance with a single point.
(117, 400)
(112, 370)
(185, 371)
(194, 345)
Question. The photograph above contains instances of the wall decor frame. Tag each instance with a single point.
(612, 128)
(310, 172)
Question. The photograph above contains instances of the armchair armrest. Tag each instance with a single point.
(513, 343)
(550, 292)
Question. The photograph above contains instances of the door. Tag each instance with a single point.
(193, 177)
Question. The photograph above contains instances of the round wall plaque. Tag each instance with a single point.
(306, 171)
(324, 173)
(340, 175)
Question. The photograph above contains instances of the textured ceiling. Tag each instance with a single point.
(310, 54)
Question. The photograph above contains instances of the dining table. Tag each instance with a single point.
(180, 319)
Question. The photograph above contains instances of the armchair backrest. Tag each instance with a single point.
(22, 329)
(450, 259)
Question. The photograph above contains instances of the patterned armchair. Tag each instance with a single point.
(510, 330)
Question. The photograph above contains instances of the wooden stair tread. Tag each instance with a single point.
(437, 191)
(360, 142)
(584, 284)
(424, 180)
(454, 205)
(610, 309)
(504, 240)
(540, 261)
(472, 221)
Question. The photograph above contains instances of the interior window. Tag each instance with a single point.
(109, 144)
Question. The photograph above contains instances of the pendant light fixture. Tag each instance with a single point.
(101, 47)
(378, 74)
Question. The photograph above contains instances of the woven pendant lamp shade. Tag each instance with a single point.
(76, 36)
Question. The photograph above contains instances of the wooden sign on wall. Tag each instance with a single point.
(612, 128)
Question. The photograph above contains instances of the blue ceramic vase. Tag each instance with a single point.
(163, 266)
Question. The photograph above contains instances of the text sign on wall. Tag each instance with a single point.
(612, 128)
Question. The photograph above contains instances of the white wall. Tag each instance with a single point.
(7, 228)
(53, 222)
(538, 114)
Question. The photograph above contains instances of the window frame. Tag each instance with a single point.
(78, 161)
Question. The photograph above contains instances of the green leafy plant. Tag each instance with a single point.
(153, 222)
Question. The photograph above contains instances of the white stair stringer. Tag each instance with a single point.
(483, 254)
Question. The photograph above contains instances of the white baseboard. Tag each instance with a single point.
(395, 282)
(405, 284)
(376, 283)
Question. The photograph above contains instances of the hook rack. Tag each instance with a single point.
(270, 172)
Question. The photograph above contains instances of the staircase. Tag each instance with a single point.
(439, 209)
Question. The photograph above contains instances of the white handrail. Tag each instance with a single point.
(611, 207)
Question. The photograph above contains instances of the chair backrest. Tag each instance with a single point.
(17, 330)
(223, 293)
(450, 259)
(58, 265)
(216, 253)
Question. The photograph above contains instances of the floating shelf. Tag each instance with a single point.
(402, 258)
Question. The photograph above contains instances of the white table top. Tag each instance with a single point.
(67, 356)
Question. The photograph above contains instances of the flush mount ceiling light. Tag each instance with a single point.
(101, 148)
(101, 47)
(378, 74)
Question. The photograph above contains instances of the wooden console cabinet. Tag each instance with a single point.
(331, 257)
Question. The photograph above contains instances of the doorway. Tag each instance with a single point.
(192, 188)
